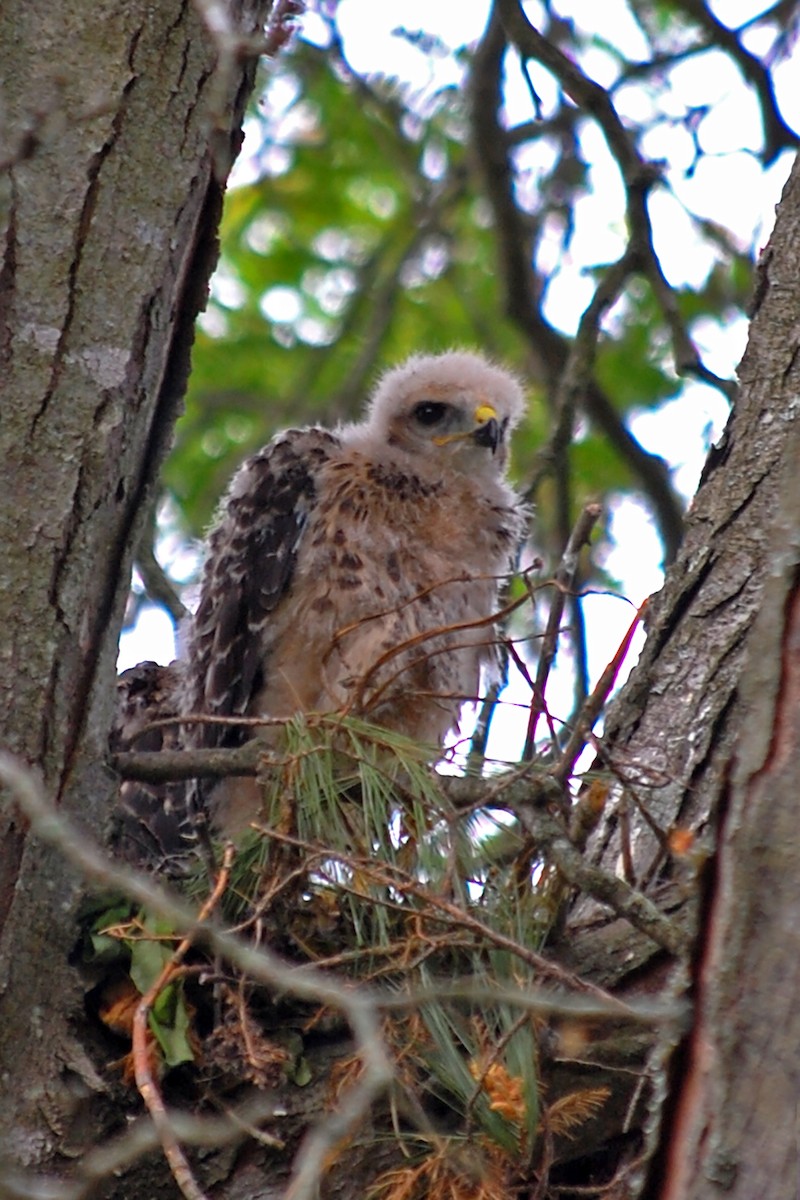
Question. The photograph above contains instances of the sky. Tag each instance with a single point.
(728, 186)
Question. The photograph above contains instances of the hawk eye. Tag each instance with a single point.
(430, 412)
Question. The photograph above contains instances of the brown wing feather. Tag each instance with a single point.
(148, 829)
(251, 557)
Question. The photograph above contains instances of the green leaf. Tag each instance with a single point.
(148, 959)
(302, 1073)
(170, 1022)
(100, 947)
(169, 1017)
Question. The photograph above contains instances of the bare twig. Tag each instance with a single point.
(420, 639)
(358, 1004)
(112, 1156)
(517, 792)
(576, 375)
(594, 704)
(171, 766)
(390, 876)
(145, 1080)
(551, 837)
(523, 290)
(646, 1011)
(637, 173)
(778, 135)
(590, 96)
(564, 582)
(624, 900)
(157, 584)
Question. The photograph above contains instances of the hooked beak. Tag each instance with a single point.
(488, 433)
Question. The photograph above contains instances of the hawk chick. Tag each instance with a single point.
(357, 570)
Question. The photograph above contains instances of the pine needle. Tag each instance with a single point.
(566, 1115)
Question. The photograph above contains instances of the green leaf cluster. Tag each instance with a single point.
(144, 955)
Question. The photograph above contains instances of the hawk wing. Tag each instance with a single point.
(251, 557)
(147, 828)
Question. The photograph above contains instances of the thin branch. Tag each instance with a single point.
(480, 736)
(638, 176)
(684, 352)
(594, 704)
(357, 1004)
(588, 95)
(651, 469)
(527, 800)
(173, 766)
(393, 877)
(419, 639)
(528, 793)
(564, 581)
(157, 584)
(145, 1080)
(778, 135)
(576, 624)
(111, 1157)
(574, 384)
(640, 1010)
(522, 290)
(576, 374)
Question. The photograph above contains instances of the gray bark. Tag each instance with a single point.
(707, 731)
(732, 1127)
(673, 729)
(109, 201)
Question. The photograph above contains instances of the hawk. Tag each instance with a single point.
(147, 826)
(358, 570)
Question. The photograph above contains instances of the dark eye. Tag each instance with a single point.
(430, 412)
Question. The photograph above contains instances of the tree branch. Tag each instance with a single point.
(564, 584)
(778, 135)
(516, 257)
(525, 794)
(527, 797)
(157, 584)
(259, 963)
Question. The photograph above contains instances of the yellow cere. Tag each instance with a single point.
(484, 413)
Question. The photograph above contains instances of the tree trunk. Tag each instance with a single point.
(732, 1125)
(110, 202)
(707, 730)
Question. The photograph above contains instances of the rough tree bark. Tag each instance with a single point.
(733, 1127)
(707, 730)
(117, 137)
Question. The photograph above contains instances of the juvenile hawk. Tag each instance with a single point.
(357, 570)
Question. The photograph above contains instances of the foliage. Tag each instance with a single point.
(525, 211)
(139, 946)
(375, 218)
(361, 863)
